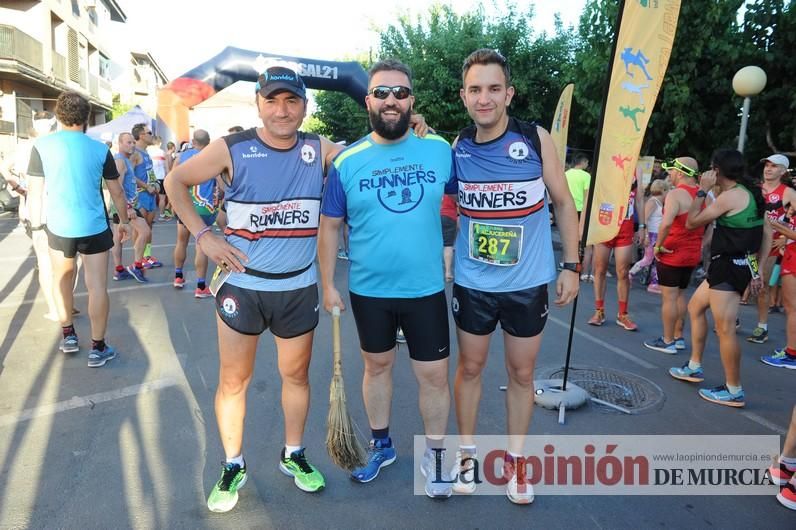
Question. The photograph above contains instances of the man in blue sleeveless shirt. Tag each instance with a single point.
(388, 188)
(147, 185)
(74, 166)
(274, 179)
(504, 256)
(205, 202)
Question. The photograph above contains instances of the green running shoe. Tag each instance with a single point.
(304, 474)
(224, 496)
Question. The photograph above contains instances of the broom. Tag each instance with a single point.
(342, 443)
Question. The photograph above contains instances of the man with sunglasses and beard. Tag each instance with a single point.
(388, 187)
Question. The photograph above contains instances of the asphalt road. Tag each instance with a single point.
(134, 444)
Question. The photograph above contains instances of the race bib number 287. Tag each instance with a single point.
(495, 244)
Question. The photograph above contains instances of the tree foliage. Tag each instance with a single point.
(696, 112)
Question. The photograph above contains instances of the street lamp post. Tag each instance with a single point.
(747, 82)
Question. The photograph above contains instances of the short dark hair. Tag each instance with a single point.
(235, 129)
(390, 65)
(579, 158)
(486, 56)
(138, 128)
(201, 137)
(72, 109)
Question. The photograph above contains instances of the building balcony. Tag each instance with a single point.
(59, 67)
(20, 47)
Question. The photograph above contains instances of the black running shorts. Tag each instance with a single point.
(729, 274)
(423, 320)
(520, 313)
(287, 313)
(87, 245)
(670, 276)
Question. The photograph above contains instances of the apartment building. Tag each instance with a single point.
(49, 46)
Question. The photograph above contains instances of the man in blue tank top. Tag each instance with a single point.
(74, 166)
(205, 203)
(504, 255)
(140, 227)
(274, 179)
(388, 188)
(147, 186)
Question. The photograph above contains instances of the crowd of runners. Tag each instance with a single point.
(282, 196)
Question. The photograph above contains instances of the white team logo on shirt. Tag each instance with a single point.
(308, 154)
(518, 151)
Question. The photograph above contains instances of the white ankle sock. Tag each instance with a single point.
(734, 389)
(290, 449)
(789, 461)
(237, 460)
(694, 366)
(764, 326)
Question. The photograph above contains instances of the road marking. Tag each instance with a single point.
(137, 286)
(764, 422)
(86, 401)
(610, 347)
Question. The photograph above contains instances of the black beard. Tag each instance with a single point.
(390, 130)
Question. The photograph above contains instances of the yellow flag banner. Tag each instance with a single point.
(560, 128)
(643, 48)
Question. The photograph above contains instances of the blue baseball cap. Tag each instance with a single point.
(277, 79)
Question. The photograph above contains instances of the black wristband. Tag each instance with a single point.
(701, 194)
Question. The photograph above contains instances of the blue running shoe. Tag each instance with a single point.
(685, 373)
(679, 343)
(662, 346)
(722, 396)
(138, 274)
(153, 262)
(381, 453)
(98, 358)
(69, 344)
(780, 359)
(121, 275)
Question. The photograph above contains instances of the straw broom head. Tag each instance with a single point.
(342, 443)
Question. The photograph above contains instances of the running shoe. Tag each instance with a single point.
(69, 344)
(758, 336)
(342, 254)
(224, 495)
(516, 492)
(679, 343)
(98, 358)
(305, 476)
(137, 274)
(662, 346)
(179, 283)
(722, 396)
(598, 318)
(780, 359)
(438, 485)
(685, 373)
(787, 495)
(654, 288)
(202, 293)
(463, 472)
(381, 453)
(773, 309)
(737, 323)
(399, 337)
(780, 474)
(121, 275)
(153, 262)
(625, 321)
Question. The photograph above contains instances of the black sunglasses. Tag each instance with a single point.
(383, 92)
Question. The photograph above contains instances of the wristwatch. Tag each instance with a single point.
(573, 266)
(701, 194)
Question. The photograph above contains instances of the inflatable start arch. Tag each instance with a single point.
(234, 64)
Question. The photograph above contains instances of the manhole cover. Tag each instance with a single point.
(631, 392)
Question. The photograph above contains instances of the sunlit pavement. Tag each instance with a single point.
(134, 444)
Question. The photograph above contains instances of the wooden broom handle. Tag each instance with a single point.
(338, 362)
